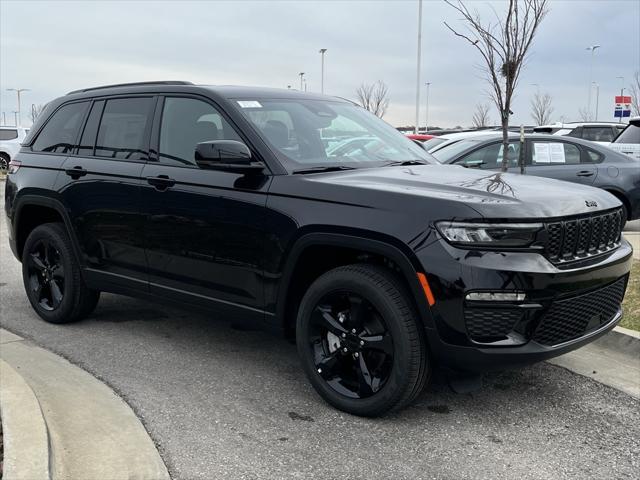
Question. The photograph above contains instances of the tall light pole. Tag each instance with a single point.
(622, 95)
(593, 49)
(322, 52)
(15, 117)
(418, 86)
(426, 128)
(4, 119)
(18, 91)
(301, 80)
(597, 98)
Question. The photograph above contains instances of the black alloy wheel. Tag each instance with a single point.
(352, 347)
(46, 275)
(360, 340)
(52, 276)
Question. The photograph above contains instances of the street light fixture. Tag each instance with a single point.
(301, 74)
(593, 49)
(322, 52)
(18, 92)
(426, 127)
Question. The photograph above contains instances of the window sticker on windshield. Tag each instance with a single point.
(249, 104)
(541, 153)
(557, 153)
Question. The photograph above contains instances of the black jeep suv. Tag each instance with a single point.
(308, 215)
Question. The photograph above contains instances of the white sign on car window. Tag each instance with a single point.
(541, 153)
(557, 153)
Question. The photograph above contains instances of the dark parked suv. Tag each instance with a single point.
(381, 262)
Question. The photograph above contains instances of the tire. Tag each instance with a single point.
(4, 162)
(380, 367)
(52, 278)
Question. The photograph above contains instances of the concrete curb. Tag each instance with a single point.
(92, 433)
(26, 443)
(613, 360)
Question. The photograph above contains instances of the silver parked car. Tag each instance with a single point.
(563, 158)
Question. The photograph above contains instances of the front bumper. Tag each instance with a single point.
(565, 307)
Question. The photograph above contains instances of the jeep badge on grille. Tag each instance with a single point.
(590, 203)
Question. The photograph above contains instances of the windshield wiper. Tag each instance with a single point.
(405, 163)
(332, 168)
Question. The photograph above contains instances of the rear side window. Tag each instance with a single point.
(61, 131)
(598, 134)
(631, 134)
(554, 153)
(123, 129)
(490, 156)
(8, 134)
(88, 140)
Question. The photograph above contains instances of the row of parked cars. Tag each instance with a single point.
(602, 155)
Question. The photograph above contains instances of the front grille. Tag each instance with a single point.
(583, 237)
(490, 324)
(571, 318)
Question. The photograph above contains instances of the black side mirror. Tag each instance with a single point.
(228, 155)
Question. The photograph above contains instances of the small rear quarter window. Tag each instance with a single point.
(60, 133)
(8, 134)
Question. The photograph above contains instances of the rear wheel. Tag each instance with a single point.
(52, 278)
(360, 342)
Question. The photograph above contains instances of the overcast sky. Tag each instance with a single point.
(53, 47)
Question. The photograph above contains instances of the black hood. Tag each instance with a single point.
(491, 194)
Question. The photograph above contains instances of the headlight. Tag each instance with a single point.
(514, 235)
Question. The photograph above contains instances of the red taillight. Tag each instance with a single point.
(14, 165)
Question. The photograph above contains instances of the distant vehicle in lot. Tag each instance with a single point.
(420, 137)
(380, 262)
(599, 132)
(10, 139)
(436, 143)
(562, 158)
(628, 141)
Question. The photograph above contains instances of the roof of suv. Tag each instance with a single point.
(225, 91)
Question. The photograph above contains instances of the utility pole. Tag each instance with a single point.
(593, 49)
(4, 118)
(18, 91)
(418, 85)
(15, 117)
(322, 52)
(301, 80)
(426, 127)
(597, 98)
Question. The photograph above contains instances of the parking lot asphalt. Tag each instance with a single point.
(222, 402)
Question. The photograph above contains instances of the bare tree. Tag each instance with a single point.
(503, 44)
(541, 108)
(36, 110)
(634, 88)
(583, 113)
(374, 97)
(481, 115)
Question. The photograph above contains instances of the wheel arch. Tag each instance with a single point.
(34, 210)
(359, 243)
(620, 195)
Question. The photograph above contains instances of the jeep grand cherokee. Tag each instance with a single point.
(310, 216)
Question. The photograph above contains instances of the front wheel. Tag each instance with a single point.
(360, 342)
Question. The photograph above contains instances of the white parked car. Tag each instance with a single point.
(629, 140)
(599, 132)
(10, 140)
(441, 141)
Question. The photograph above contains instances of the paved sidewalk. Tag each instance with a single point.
(92, 433)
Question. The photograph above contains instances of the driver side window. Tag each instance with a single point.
(490, 156)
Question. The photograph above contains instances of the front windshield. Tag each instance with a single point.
(317, 133)
(450, 152)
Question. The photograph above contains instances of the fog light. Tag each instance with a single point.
(496, 296)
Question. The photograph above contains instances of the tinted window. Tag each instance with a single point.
(187, 122)
(598, 134)
(8, 134)
(593, 157)
(576, 132)
(88, 140)
(122, 132)
(630, 135)
(61, 131)
(490, 156)
(554, 153)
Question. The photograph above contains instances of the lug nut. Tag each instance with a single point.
(356, 354)
(345, 349)
(353, 330)
(319, 370)
(361, 342)
(341, 317)
(344, 335)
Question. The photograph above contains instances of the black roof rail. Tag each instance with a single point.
(134, 84)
